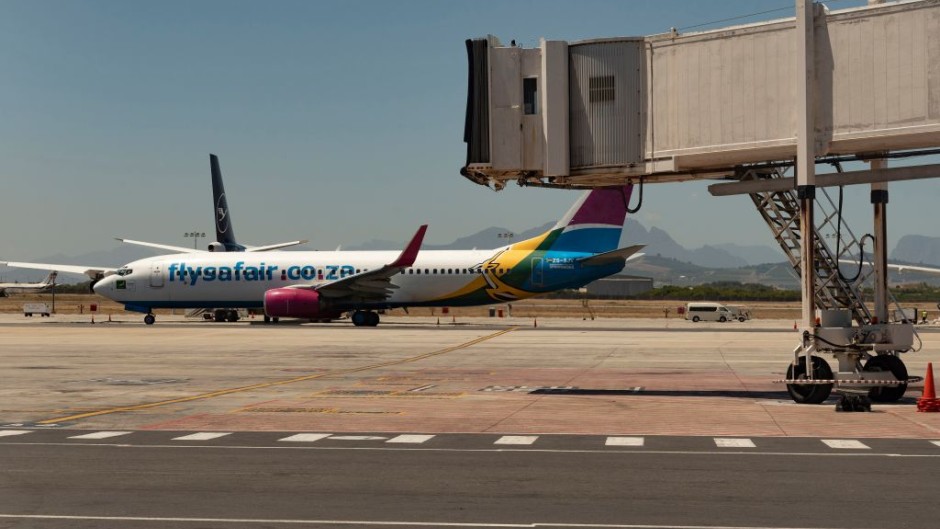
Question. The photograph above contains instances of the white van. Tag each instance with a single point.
(707, 311)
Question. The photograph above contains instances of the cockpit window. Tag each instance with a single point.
(124, 272)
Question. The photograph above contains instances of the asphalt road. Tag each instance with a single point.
(58, 483)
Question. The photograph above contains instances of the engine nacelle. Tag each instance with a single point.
(296, 303)
(216, 247)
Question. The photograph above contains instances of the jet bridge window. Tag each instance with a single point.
(602, 88)
(530, 95)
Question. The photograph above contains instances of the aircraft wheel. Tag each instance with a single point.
(267, 319)
(231, 316)
(695, 319)
(219, 316)
(150, 319)
(359, 318)
(809, 393)
(887, 363)
(372, 319)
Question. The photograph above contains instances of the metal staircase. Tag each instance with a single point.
(780, 209)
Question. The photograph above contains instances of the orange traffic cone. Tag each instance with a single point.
(794, 327)
(928, 401)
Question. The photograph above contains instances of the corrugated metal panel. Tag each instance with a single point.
(605, 110)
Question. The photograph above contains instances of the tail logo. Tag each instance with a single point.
(221, 220)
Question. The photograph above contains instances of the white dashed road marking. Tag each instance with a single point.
(357, 438)
(7, 433)
(99, 435)
(936, 442)
(410, 439)
(845, 443)
(305, 437)
(516, 440)
(727, 442)
(202, 436)
(624, 441)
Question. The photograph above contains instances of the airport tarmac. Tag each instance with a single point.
(612, 377)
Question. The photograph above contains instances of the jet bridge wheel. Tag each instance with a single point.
(887, 363)
(809, 393)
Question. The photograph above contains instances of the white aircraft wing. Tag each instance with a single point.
(373, 285)
(910, 268)
(269, 247)
(93, 272)
(170, 247)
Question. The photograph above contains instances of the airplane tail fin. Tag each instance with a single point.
(224, 233)
(592, 225)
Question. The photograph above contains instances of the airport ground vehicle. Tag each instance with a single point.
(708, 311)
(36, 308)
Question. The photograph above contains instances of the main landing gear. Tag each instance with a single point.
(226, 315)
(364, 318)
(150, 319)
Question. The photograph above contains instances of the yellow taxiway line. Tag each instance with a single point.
(229, 391)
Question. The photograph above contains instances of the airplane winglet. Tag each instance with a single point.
(410, 253)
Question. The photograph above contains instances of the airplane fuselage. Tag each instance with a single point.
(437, 278)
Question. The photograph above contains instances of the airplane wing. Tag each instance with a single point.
(906, 268)
(373, 285)
(269, 247)
(621, 254)
(93, 272)
(170, 247)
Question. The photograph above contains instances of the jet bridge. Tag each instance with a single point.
(744, 105)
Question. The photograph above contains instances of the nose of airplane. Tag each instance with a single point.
(101, 286)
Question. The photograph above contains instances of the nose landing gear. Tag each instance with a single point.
(150, 319)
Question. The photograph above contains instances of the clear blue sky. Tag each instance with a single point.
(335, 121)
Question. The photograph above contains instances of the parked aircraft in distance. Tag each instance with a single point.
(322, 286)
(20, 288)
(224, 237)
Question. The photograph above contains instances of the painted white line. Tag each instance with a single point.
(99, 435)
(305, 437)
(624, 441)
(936, 442)
(845, 444)
(7, 433)
(202, 436)
(357, 438)
(727, 442)
(412, 439)
(382, 523)
(516, 440)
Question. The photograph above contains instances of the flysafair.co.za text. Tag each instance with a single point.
(262, 272)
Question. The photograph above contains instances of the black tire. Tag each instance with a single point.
(372, 319)
(358, 318)
(696, 319)
(722, 319)
(887, 363)
(231, 316)
(219, 316)
(150, 319)
(809, 393)
(742, 319)
(267, 319)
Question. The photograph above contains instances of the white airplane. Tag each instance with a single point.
(320, 286)
(20, 288)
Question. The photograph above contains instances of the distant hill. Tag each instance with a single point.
(917, 249)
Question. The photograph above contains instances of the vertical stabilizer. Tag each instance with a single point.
(592, 225)
(224, 233)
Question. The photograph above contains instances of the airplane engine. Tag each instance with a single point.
(295, 303)
(216, 247)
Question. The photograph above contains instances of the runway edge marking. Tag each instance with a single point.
(262, 385)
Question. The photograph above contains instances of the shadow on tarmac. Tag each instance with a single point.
(735, 394)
